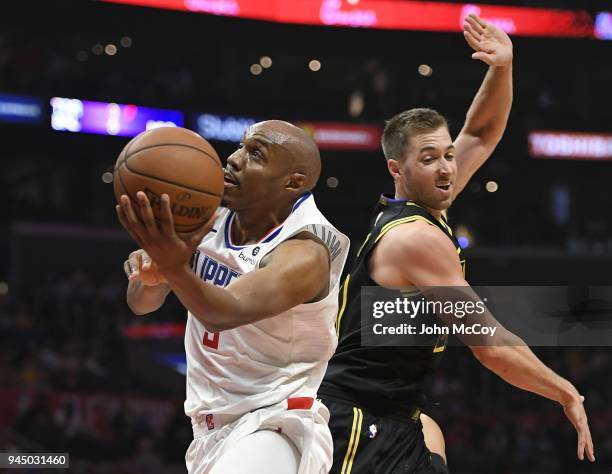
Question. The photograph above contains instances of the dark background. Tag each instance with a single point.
(69, 378)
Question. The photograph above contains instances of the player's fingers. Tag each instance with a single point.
(146, 213)
(467, 27)
(127, 268)
(166, 220)
(471, 40)
(477, 23)
(589, 447)
(581, 444)
(135, 259)
(134, 276)
(126, 224)
(482, 57)
(131, 217)
(481, 22)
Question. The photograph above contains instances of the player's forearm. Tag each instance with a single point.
(144, 299)
(488, 114)
(216, 308)
(518, 365)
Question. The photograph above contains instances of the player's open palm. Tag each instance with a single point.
(577, 416)
(139, 266)
(492, 45)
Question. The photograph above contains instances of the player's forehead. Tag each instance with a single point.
(439, 139)
(269, 133)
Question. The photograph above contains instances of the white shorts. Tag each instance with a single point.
(216, 435)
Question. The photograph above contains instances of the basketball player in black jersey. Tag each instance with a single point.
(375, 394)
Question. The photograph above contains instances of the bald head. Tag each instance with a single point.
(300, 151)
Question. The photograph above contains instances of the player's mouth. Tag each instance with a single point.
(444, 186)
(230, 180)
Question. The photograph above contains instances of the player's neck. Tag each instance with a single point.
(252, 225)
(402, 195)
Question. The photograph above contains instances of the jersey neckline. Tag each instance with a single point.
(268, 237)
(388, 198)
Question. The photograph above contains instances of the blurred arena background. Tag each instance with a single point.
(80, 374)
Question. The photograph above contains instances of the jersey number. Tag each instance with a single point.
(211, 339)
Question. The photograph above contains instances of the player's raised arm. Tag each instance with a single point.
(434, 268)
(487, 116)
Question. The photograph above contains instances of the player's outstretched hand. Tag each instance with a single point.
(140, 267)
(575, 413)
(160, 241)
(492, 45)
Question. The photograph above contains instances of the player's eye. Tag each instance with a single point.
(450, 156)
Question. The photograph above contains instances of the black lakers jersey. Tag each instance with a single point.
(385, 380)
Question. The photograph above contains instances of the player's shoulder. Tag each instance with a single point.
(305, 208)
(303, 246)
(418, 239)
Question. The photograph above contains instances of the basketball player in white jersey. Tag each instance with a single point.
(261, 289)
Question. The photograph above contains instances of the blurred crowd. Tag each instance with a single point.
(66, 386)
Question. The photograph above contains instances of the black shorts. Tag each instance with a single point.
(366, 444)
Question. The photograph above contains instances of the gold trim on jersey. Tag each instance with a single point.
(351, 451)
(404, 220)
(446, 226)
(364, 244)
(343, 307)
(440, 343)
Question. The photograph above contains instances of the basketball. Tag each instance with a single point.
(177, 162)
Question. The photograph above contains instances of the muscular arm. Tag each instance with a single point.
(433, 263)
(297, 272)
(484, 124)
(487, 116)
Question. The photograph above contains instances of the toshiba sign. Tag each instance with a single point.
(570, 145)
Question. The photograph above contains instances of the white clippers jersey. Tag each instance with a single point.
(261, 364)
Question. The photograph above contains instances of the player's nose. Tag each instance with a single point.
(235, 160)
(444, 170)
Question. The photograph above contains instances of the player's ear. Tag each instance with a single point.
(296, 182)
(394, 168)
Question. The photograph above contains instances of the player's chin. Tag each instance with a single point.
(230, 196)
(232, 202)
(442, 204)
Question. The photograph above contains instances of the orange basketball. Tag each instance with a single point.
(177, 162)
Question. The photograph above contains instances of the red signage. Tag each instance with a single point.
(570, 145)
(155, 331)
(343, 136)
(391, 14)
